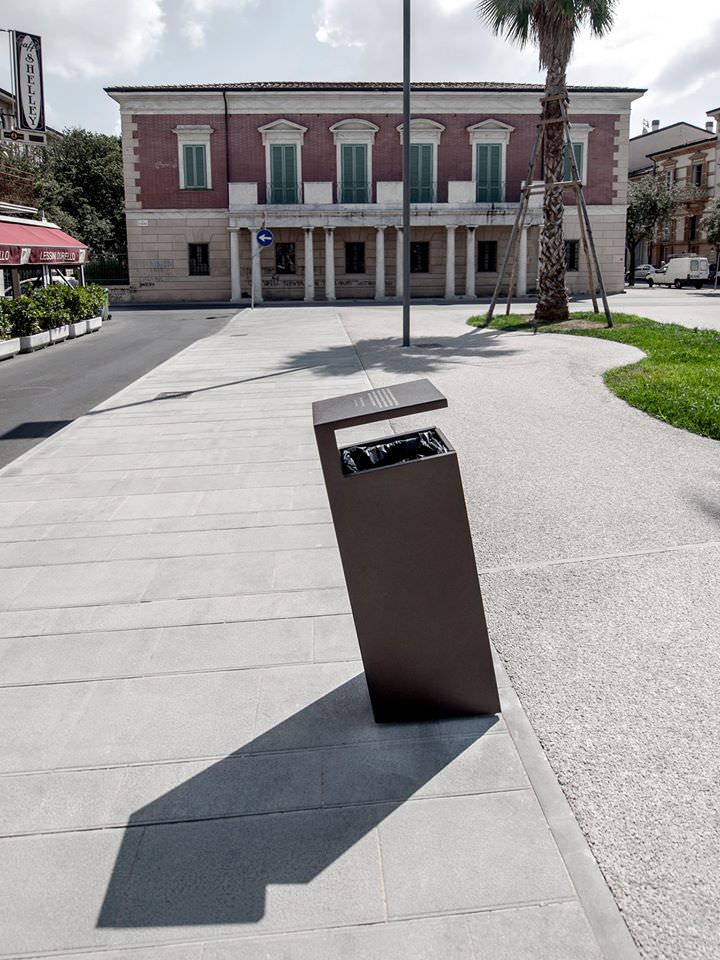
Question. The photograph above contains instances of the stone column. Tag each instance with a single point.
(398, 262)
(256, 267)
(379, 263)
(470, 288)
(450, 264)
(309, 265)
(522, 263)
(329, 263)
(235, 288)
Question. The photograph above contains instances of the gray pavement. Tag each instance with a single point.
(189, 763)
(597, 535)
(42, 392)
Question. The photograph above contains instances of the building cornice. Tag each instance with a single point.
(353, 102)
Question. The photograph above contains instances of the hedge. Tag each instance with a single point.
(50, 307)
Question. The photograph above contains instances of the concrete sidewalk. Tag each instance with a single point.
(189, 763)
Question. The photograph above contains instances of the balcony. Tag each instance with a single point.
(284, 193)
(423, 193)
(351, 192)
(492, 192)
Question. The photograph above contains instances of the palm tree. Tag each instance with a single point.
(553, 26)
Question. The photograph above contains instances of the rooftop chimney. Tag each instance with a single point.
(710, 126)
(655, 125)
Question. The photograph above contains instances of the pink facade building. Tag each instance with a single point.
(320, 165)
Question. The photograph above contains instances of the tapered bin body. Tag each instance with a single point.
(402, 529)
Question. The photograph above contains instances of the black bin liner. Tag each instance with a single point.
(387, 453)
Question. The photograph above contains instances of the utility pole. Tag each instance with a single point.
(406, 174)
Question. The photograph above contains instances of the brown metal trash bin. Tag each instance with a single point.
(401, 524)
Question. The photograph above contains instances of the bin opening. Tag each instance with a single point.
(411, 446)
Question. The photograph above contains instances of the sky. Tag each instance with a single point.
(90, 44)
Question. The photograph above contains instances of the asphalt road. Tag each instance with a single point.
(42, 392)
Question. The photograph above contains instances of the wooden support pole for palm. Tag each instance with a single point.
(594, 271)
(584, 216)
(515, 235)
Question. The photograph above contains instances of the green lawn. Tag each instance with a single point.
(679, 379)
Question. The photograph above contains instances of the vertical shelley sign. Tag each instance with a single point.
(29, 82)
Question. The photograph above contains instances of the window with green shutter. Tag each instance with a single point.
(283, 187)
(422, 187)
(578, 150)
(354, 187)
(195, 166)
(488, 173)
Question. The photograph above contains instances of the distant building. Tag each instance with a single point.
(320, 164)
(688, 156)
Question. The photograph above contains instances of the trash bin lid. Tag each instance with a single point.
(398, 400)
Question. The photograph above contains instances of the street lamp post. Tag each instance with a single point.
(406, 173)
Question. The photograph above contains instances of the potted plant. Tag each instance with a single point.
(93, 301)
(9, 343)
(54, 304)
(26, 317)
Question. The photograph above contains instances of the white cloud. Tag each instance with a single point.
(194, 32)
(646, 48)
(196, 13)
(98, 39)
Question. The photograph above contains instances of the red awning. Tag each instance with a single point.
(26, 243)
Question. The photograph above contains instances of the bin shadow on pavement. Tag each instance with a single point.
(278, 811)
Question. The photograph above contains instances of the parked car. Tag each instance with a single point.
(641, 272)
(34, 283)
(680, 272)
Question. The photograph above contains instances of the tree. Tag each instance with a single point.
(80, 186)
(553, 26)
(651, 202)
(710, 223)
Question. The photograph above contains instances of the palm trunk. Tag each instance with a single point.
(552, 305)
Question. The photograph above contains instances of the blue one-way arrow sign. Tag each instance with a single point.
(264, 238)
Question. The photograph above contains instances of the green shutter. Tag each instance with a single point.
(578, 151)
(353, 173)
(283, 173)
(421, 173)
(488, 169)
(195, 165)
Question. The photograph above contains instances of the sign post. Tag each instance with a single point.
(263, 238)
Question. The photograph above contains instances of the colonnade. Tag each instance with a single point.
(469, 291)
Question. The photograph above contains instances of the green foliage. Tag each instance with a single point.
(80, 187)
(5, 325)
(25, 315)
(53, 306)
(678, 381)
(87, 302)
(651, 202)
(53, 303)
(710, 223)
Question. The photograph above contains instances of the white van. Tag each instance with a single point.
(680, 272)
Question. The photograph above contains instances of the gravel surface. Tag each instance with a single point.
(597, 533)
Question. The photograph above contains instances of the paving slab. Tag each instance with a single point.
(596, 533)
(191, 768)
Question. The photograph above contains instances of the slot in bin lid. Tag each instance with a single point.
(398, 400)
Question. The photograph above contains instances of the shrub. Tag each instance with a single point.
(25, 316)
(88, 302)
(5, 325)
(54, 305)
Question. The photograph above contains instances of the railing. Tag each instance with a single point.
(284, 193)
(489, 192)
(425, 193)
(352, 192)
